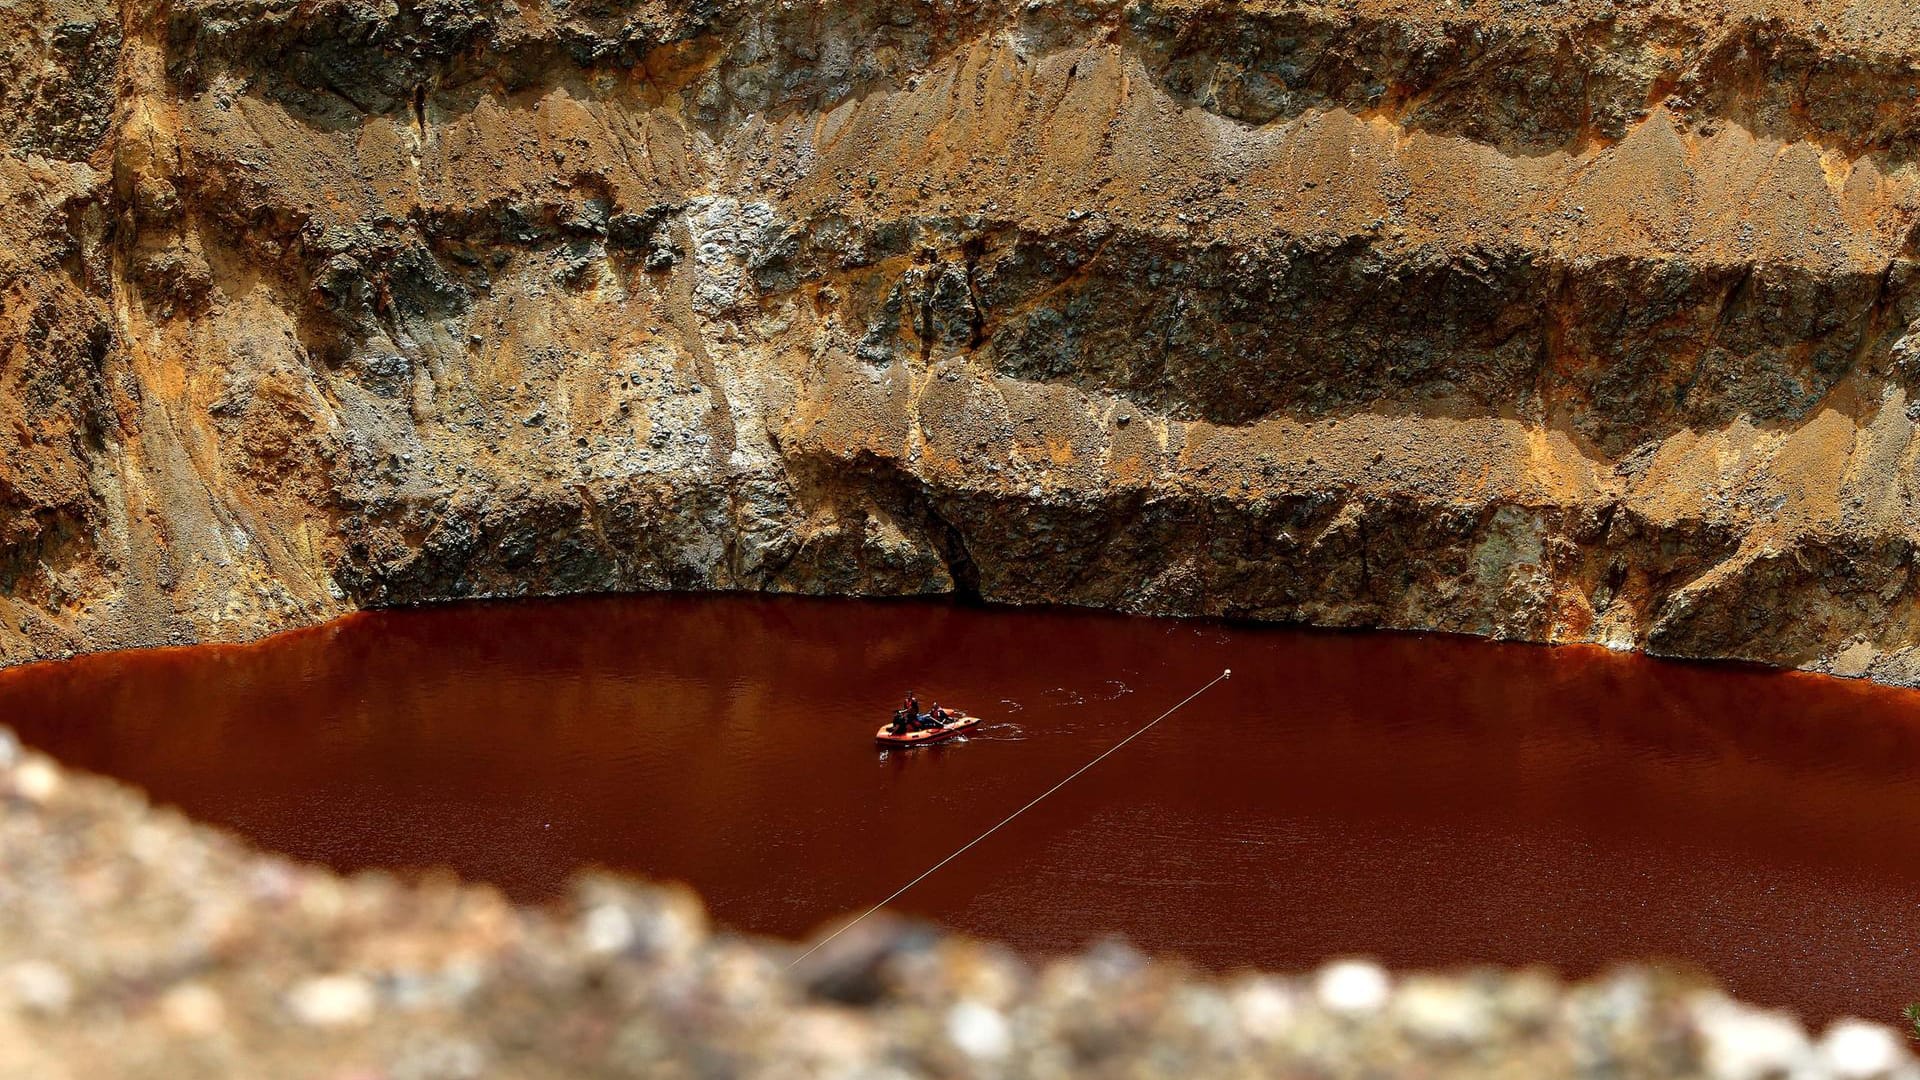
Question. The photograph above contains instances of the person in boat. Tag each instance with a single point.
(937, 717)
(900, 725)
(910, 718)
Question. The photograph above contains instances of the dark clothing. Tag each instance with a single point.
(911, 718)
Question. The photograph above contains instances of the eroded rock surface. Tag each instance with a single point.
(1587, 320)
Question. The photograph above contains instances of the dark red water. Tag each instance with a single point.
(1429, 801)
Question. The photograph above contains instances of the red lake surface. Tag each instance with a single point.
(1426, 800)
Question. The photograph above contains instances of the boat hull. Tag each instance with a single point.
(924, 738)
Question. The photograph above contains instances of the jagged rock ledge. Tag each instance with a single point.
(1581, 321)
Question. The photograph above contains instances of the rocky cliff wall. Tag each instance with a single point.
(1588, 320)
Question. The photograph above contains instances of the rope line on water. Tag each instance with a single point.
(1036, 801)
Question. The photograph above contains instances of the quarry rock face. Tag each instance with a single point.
(1574, 321)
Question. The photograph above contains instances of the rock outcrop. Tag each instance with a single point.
(1575, 321)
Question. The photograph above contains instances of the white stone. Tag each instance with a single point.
(1352, 987)
(41, 987)
(332, 1001)
(727, 235)
(606, 929)
(150, 843)
(1266, 1008)
(1440, 1012)
(322, 899)
(37, 780)
(1744, 1043)
(676, 930)
(461, 977)
(193, 1009)
(9, 749)
(980, 1032)
(1528, 999)
(1856, 1050)
(1206, 1011)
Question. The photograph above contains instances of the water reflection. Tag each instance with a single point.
(1428, 800)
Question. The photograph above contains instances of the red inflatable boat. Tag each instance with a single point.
(960, 723)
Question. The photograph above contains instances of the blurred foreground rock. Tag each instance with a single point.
(134, 944)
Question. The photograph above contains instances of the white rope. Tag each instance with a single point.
(929, 871)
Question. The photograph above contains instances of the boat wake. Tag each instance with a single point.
(1061, 695)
